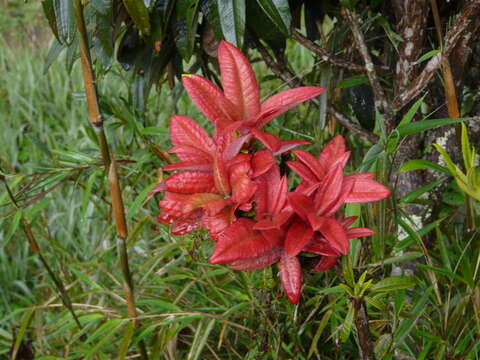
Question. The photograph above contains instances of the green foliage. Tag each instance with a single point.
(187, 308)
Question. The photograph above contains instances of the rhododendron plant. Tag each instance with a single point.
(235, 191)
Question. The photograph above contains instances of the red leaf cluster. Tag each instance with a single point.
(238, 194)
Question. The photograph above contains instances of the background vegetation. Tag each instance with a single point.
(418, 277)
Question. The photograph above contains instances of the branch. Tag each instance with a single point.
(454, 35)
(316, 49)
(118, 208)
(363, 330)
(293, 81)
(381, 103)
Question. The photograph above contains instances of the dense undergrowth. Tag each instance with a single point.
(188, 308)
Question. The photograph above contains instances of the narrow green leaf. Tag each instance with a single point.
(427, 56)
(13, 225)
(53, 52)
(49, 11)
(65, 20)
(421, 165)
(353, 81)
(419, 126)
(408, 117)
(200, 340)
(321, 326)
(139, 14)
(346, 327)
(415, 194)
(185, 27)
(397, 259)
(232, 20)
(394, 283)
(21, 332)
(126, 341)
(278, 12)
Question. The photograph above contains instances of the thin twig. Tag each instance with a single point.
(468, 14)
(363, 330)
(452, 105)
(324, 55)
(96, 119)
(36, 250)
(381, 103)
(293, 81)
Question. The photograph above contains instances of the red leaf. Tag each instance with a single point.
(301, 204)
(184, 226)
(269, 140)
(329, 191)
(281, 102)
(312, 163)
(180, 204)
(358, 232)
(243, 188)
(291, 275)
(332, 151)
(220, 175)
(217, 223)
(185, 131)
(262, 161)
(210, 100)
(320, 246)
(261, 261)
(365, 189)
(190, 165)
(332, 231)
(190, 182)
(298, 235)
(305, 173)
(190, 153)
(325, 263)
(238, 242)
(287, 145)
(238, 81)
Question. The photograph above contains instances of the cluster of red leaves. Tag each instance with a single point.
(239, 195)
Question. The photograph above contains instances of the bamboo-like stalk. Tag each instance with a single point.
(452, 103)
(64, 296)
(363, 330)
(118, 208)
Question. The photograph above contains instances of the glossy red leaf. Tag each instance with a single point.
(301, 204)
(190, 153)
(259, 262)
(304, 171)
(218, 223)
(220, 175)
(325, 263)
(185, 131)
(238, 81)
(243, 187)
(270, 141)
(210, 100)
(312, 163)
(190, 165)
(332, 151)
(332, 231)
(330, 190)
(291, 276)
(365, 189)
(358, 232)
(287, 145)
(238, 242)
(262, 161)
(299, 234)
(285, 100)
(190, 182)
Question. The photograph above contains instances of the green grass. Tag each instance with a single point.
(188, 308)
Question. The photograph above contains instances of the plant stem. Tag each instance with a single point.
(452, 104)
(67, 302)
(363, 330)
(118, 208)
